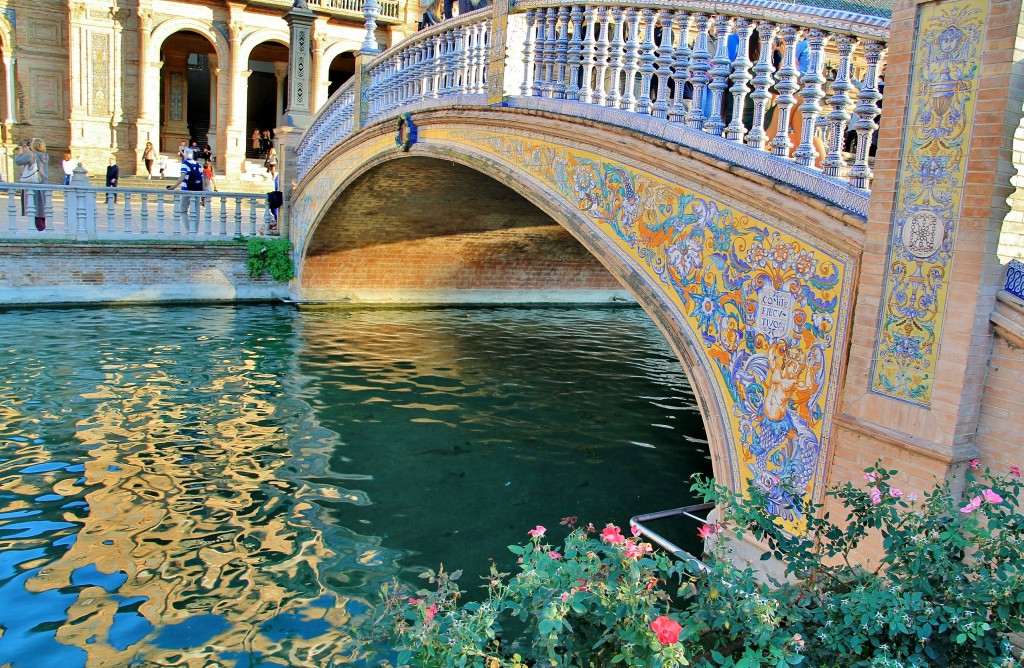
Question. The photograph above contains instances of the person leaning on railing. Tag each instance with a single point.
(32, 158)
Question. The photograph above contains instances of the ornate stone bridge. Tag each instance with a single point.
(714, 162)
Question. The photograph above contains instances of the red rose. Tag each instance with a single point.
(667, 630)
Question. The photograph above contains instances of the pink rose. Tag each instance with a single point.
(991, 496)
(667, 630)
(554, 555)
(972, 505)
(975, 463)
(870, 477)
(431, 611)
(709, 530)
(895, 492)
(565, 597)
(635, 530)
(1015, 471)
(636, 550)
(538, 532)
(612, 534)
(876, 496)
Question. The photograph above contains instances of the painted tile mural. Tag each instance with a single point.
(763, 305)
(947, 65)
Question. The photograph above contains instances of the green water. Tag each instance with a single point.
(228, 486)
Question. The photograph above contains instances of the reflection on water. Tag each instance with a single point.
(226, 486)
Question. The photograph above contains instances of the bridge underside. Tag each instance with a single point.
(425, 230)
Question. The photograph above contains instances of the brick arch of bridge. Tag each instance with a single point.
(750, 282)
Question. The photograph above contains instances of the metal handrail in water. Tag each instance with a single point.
(686, 511)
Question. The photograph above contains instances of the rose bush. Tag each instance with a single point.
(946, 591)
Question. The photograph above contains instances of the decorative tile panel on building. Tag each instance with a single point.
(928, 198)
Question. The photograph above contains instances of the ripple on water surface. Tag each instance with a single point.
(195, 486)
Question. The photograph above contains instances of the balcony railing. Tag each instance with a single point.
(78, 212)
(353, 9)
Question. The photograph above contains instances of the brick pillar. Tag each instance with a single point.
(921, 336)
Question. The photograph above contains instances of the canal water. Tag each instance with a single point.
(229, 485)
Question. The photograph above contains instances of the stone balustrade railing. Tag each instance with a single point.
(335, 121)
(388, 10)
(448, 60)
(79, 212)
(692, 64)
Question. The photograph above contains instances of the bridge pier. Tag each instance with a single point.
(919, 375)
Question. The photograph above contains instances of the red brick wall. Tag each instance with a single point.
(423, 223)
(80, 272)
(1001, 424)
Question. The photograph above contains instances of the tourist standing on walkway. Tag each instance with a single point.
(256, 142)
(182, 147)
(33, 160)
(191, 179)
(113, 175)
(271, 162)
(69, 168)
(148, 158)
(266, 143)
(208, 177)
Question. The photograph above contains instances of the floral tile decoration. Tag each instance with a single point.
(947, 66)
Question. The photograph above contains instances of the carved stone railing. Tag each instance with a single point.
(446, 61)
(335, 121)
(352, 9)
(81, 212)
(689, 72)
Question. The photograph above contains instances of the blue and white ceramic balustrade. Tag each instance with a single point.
(728, 84)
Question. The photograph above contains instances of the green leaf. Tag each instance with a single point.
(515, 549)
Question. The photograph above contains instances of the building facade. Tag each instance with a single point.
(102, 77)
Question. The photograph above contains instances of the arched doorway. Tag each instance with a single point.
(267, 91)
(188, 97)
(341, 69)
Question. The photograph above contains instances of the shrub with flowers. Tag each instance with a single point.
(946, 591)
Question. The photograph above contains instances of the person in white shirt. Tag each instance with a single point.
(69, 168)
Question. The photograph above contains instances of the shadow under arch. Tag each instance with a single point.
(755, 306)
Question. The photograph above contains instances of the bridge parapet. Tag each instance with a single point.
(791, 92)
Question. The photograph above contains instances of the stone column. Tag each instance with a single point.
(321, 73)
(281, 73)
(11, 112)
(233, 152)
(148, 122)
(214, 100)
(118, 134)
(297, 116)
(921, 335)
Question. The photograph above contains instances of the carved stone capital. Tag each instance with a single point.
(320, 41)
